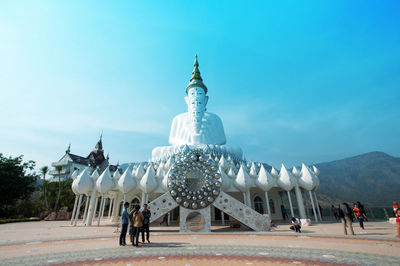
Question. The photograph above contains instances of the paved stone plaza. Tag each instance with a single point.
(323, 244)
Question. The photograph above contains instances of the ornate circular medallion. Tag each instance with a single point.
(193, 181)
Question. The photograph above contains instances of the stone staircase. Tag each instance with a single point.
(242, 213)
(161, 206)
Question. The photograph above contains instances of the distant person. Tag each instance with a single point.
(359, 216)
(335, 212)
(272, 226)
(284, 213)
(137, 222)
(296, 225)
(395, 207)
(146, 223)
(362, 210)
(124, 225)
(346, 215)
(165, 219)
(398, 221)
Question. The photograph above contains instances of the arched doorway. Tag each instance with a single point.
(258, 204)
(272, 205)
(134, 202)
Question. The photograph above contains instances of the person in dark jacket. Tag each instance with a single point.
(146, 223)
(284, 213)
(124, 225)
(335, 211)
(296, 225)
(346, 216)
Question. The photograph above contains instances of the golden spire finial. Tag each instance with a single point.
(196, 80)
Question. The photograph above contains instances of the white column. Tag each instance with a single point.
(117, 201)
(143, 199)
(110, 207)
(86, 209)
(222, 218)
(169, 218)
(122, 207)
(74, 209)
(78, 209)
(248, 198)
(92, 206)
(95, 206)
(268, 208)
(102, 210)
(318, 210)
(290, 203)
(101, 207)
(244, 198)
(313, 206)
(300, 202)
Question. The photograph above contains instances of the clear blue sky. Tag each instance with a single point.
(292, 81)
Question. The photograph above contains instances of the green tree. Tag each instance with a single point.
(58, 169)
(17, 181)
(44, 171)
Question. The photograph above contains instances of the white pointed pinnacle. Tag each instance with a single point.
(148, 183)
(274, 173)
(105, 182)
(160, 171)
(315, 170)
(264, 180)
(307, 179)
(296, 172)
(253, 170)
(242, 181)
(226, 182)
(286, 179)
(84, 182)
(126, 183)
(117, 175)
(75, 174)
(95, 175)
(231, 172)
(139, 172)
(164, 182)
(223, 163)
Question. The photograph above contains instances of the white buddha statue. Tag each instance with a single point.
(196, 127)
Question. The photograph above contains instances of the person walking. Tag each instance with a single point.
(124, 225)
(284, 213)
(395, 207)
(362, 210)
(335, 211)
(146, 223)
(165, 219)
(345, 215)
(358, 214)
(398, 221)
(137, 222)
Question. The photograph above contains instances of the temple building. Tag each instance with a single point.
(197, 174)
(71, 164)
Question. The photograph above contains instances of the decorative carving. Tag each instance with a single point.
(193, 181)
(242, 213)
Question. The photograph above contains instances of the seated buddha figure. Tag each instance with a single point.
(196, 127)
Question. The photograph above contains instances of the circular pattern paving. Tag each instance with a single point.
(193, 181)
(175, 253)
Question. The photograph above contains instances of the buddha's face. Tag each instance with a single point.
(196, 101)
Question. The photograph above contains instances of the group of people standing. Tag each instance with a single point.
(138, 221)
(347, 215)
